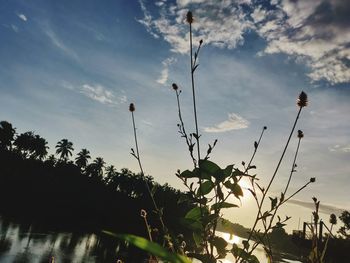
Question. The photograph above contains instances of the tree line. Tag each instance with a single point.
(77, 192)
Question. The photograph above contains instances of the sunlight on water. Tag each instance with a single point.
(231, 239)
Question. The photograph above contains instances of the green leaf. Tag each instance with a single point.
(197, 238)
(220, 245)
(151, 247)
(191, 224)
(222, 205)
(205, 188)
(201, 174)
(228, 170)
(187, 174)
(194, 214)
(235, 188)
(273, 202)
(208, 166)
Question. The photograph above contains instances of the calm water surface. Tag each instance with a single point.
(20, 243)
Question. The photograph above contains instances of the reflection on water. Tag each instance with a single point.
(23, 243)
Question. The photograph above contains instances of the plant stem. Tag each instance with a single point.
(194, 96)
(274, 175)
(147, 186)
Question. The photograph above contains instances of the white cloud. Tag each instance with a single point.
(340, 148)
(221, 23)
(98, 93)
(163, 78)
(23, 17)
(314, 32)
(234, 122)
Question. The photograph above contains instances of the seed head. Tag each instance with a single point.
(143, 213)
(312, 180)
(175, 87)
(333, 219)
(265, 127)
(201, 42)
(189, 17)
(132, 107)
(302, 100)
(300, 134)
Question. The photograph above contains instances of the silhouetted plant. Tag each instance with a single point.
(209, 187)
(7, 134)
(82, 158)
(64, 149)
(317, 254)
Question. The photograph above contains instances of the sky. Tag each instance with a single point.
(69, 69)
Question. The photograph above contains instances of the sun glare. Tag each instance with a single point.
(232, 239)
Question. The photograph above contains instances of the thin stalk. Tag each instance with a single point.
(182, 129)
(293, 167)
(274, 174)
(147, 186)
(194, 96)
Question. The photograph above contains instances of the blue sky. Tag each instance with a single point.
(69, 69)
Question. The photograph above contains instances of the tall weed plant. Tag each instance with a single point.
(209, 188)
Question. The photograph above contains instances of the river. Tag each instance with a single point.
(22, 243)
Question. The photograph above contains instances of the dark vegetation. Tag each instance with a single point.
(75, 194)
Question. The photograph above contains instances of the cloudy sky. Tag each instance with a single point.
(69, 69)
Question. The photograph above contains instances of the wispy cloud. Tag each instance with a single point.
(23, 17)
(57, 42)
(340, 148)
(163, 78)
(326, 209)
(98, 93)
(14, 28)
(234, 122)
(312, 32)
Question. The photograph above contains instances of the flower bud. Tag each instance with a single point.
(143, 213)
(175, 87)
(300, 134)
(302, 100)
(189, 17)
(132, 107)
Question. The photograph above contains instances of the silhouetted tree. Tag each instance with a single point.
(51, 160)
(345, 229)
(99, 164)
(24, 143)
(64, 149)
(7, 133)
(38, 147)
(82, 158)
(111, 172)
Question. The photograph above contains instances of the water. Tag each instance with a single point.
(21, 243)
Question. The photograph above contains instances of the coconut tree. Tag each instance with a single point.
(64, 149)
(82, 158)
(99, 163)
(24, 143)
(7, 133)
(38, 147)
(111, 172)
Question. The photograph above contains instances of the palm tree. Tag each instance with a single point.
(82, 158)
(111, 172)
(38, 147)
(64, 149)
(24, 143)
(99, 163)
(7, 133)
(51, 160)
